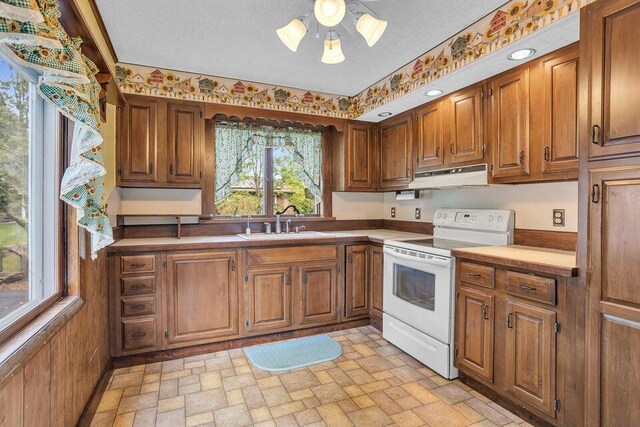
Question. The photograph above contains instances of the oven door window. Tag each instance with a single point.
(414, 286)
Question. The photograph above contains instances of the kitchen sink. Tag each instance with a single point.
(283, 236)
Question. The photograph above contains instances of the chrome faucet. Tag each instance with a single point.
(286, 226)
(278, 230)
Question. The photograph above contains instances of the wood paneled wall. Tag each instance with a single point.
(54, 386)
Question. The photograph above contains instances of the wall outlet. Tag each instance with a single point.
(558, 217)
(393, 212)
(418, 213)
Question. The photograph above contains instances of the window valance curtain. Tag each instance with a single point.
(234, 142)
(31, 34)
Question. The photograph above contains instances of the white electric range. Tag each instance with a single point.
(418, 301)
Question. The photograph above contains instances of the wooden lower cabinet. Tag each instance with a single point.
(317, 293)
(268, 299)
(201, 293)
(531, 355)
(518, 345)
(357, 281)
(474, 349)
(376, 279)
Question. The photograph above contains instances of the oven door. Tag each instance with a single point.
(418, 292)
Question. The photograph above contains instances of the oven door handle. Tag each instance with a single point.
(434, 260)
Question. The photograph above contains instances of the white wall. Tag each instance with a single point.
(533, 203)
(358, 205)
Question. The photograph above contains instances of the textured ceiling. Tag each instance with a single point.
(237, 39)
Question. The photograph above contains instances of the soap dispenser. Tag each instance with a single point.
(248, 229)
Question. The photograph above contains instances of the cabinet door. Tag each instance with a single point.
(560, 141)
(269, 299)
(138, 143)
(395, 152)
(610, 34)
(317, 293)
(430, 135)
(376, 278)
(613, 331)
(474, 348)
(360, 158)
(465, 127)
(357, 281)
(510, 124)
(530, 355)
(202, 297)
(185, 141)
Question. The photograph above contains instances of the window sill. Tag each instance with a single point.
(19, 349)
(261, 219)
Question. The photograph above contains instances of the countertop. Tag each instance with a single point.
(553, 261)
(203, 242)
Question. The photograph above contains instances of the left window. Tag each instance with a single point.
(29, 208)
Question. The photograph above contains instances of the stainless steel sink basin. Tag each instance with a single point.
(283, 236)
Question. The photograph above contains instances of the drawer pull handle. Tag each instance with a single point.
(138, 286)
(138, 335)
(595, 134)
(509, 321)
(137, 265)
(473, 274)
(485, 312)
(138, 307)
(527, 288)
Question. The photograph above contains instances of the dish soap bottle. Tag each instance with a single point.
(248, 229)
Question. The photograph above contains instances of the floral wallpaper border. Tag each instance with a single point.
(505, 25)
(135, 79)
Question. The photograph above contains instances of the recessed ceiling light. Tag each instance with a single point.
(434, 92)
(385, 114)
(521, 54)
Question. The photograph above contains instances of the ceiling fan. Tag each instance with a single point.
(331, 13)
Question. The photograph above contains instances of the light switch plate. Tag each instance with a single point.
(558, 217)
(418, 213)
(393, 212)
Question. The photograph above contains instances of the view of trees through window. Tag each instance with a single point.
(248, 194)
(14, 189)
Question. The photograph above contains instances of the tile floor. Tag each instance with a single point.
(372, 384)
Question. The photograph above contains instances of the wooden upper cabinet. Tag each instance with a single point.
(138, 142)
(475, 331)
(357, 281)
(509, 101)
(269, 299)
(430, 123)
(317, 293)
(396, 152)
(560, 138)
(185, 142)
(376, 277)
(464, 129)
(201, 293)
(610, 37)
(530, 352)
(360, 158)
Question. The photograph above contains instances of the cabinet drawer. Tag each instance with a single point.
(138, 306)
(286, 255)
(132, 264)
(476, 274)
(138, 285)
(138, 334)
(531, 287)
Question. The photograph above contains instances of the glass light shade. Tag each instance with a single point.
(371, 28)
(329, 12)
(292, 33)
(332, 52)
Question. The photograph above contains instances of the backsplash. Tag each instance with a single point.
(533, 203)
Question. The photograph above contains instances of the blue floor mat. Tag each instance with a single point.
(287, 355)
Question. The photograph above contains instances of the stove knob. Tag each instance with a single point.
(490, 218)
(445, 216)
(439, 214)
(499, 218)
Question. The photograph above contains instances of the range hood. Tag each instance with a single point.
(464, 176)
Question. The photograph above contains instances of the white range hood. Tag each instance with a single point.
(464, 176)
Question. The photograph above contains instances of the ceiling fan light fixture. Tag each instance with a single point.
(370, 28)
(292, 33)
(332, 50)
(329, 12)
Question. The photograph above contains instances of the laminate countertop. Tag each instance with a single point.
(204, 242)
(553, 261)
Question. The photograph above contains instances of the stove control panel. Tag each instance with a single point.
(475, 219)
